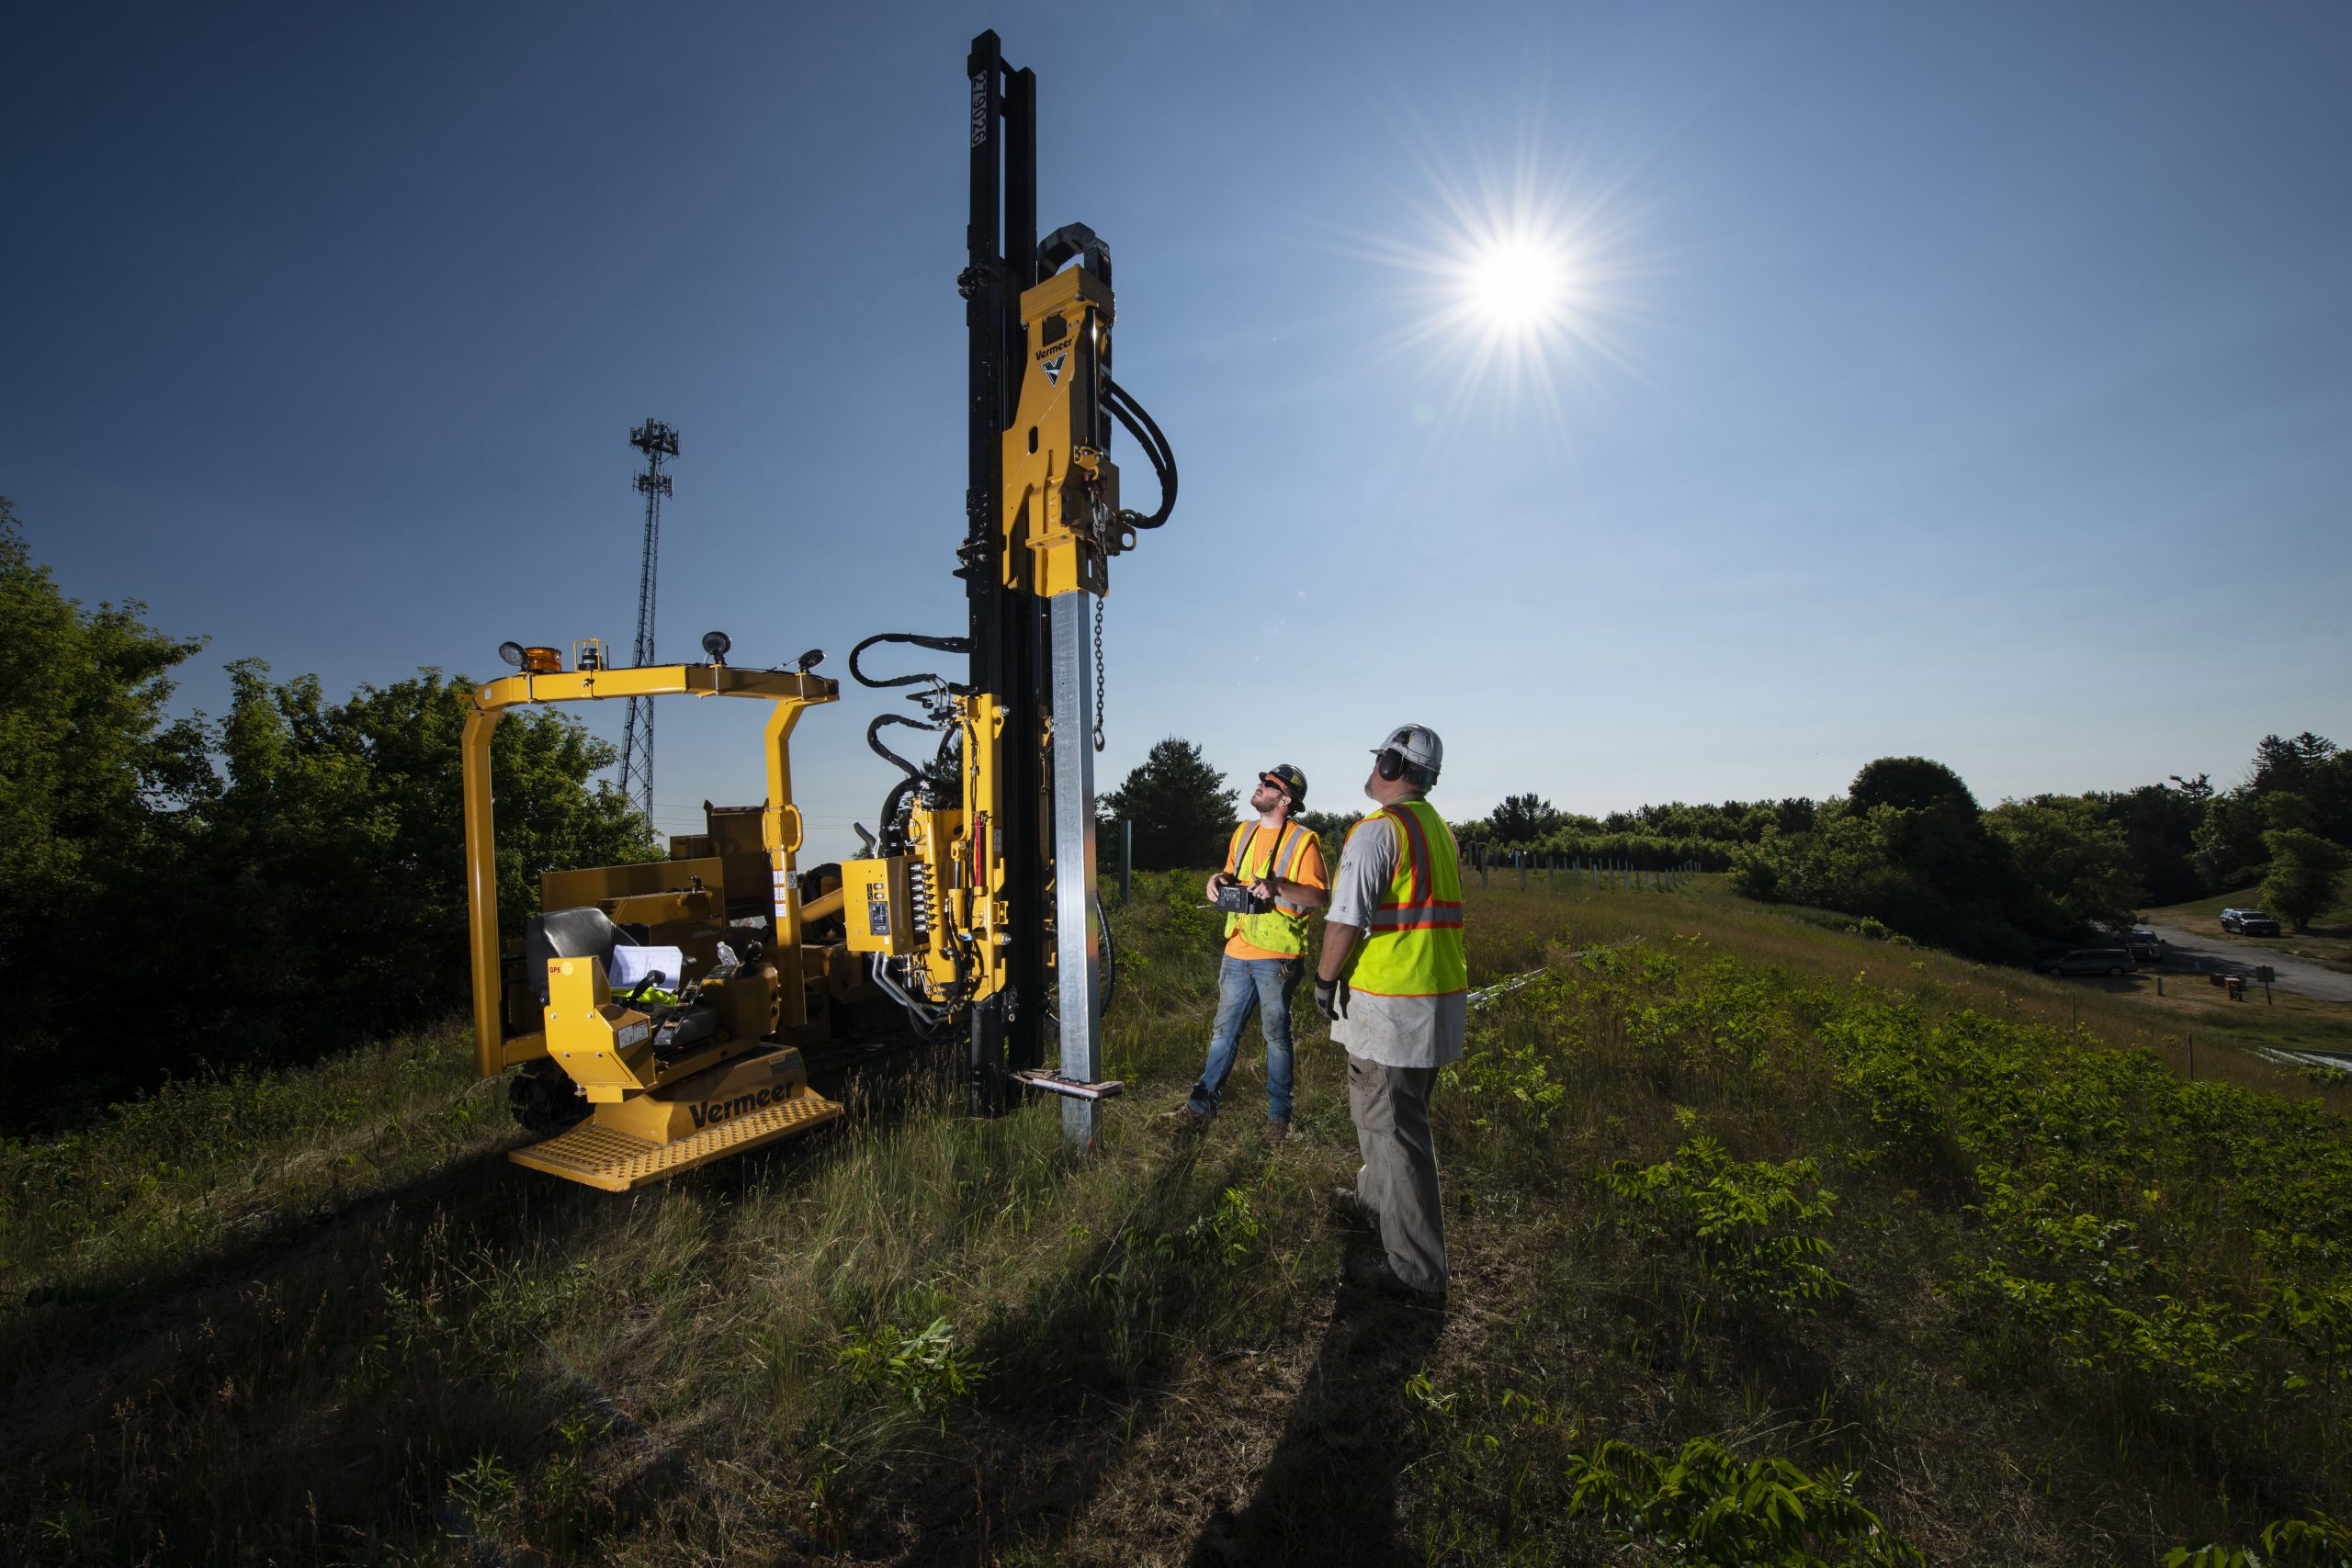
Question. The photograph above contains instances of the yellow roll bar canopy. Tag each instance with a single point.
(779, 827)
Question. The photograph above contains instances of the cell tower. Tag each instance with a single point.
(657, 441)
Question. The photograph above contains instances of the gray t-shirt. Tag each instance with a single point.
(1395, 1032)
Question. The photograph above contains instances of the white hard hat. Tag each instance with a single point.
(1418, 744)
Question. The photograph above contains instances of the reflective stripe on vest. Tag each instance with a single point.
(1412, 945)
(1282, 929)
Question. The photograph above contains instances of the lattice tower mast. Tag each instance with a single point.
(657, 441)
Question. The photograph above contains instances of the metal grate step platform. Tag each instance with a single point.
(598, 1157)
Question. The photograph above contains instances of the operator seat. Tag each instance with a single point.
(589, 932)
(586, 932)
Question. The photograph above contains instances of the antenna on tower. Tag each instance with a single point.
(657, 441)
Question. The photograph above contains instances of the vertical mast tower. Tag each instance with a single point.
(657, 441)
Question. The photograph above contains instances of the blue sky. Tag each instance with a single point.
(1974, 381)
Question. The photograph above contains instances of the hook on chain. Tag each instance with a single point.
(1099, 695)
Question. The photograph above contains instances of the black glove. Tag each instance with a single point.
(1331, 998)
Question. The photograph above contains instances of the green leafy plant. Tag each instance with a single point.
(2318, 1542)
(485, 1484)
(1755, 1224)
(1497, 1076)
(1225, 1233)
(926, 1368)
(1704, 1508)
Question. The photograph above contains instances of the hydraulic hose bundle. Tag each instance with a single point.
(894, 804)
(1155, 447)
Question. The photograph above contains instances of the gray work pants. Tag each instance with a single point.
(1398, 1180)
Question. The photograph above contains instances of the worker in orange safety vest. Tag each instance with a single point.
(1273, 866)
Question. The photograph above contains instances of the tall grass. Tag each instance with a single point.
(2068, 1306)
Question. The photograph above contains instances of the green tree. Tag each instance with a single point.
(1908, 847)
(334, 886)
(98, 790)
(91, 767)
(2159, 825)
(2304, 782)
(2227, 849)
(272, 886)
(1330, 827)
(2304, 874)
(2074, 862)
(1179, 806)
(1909, 784)
(1523, 819)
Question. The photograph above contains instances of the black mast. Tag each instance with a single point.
(1008, 629)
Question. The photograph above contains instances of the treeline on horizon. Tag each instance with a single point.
(244, 892)
(1908, 845)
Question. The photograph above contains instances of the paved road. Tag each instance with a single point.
(2300, 976)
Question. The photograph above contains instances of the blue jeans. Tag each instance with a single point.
(1245, 986)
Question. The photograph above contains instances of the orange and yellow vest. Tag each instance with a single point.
(1413, 945)
(1282, 929)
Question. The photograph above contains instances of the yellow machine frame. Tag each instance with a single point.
(651, 1119)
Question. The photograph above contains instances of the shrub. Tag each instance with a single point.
(1702, 1506)
(1755, 1228)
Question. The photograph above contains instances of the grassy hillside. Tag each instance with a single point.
(1960, 1261)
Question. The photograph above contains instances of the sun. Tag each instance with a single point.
(1518, 284)
(1516, 290)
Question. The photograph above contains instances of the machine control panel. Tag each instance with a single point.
(875, 906)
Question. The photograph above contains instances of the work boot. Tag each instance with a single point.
(1375, 1274)
(1184, 1116)
(1346, 1204)
(1275, 1132)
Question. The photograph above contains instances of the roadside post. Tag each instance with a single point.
(1127, 859)
(2265, 974)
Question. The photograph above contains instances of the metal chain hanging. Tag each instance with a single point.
(1098, 670)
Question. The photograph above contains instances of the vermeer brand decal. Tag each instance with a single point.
(711, 1112)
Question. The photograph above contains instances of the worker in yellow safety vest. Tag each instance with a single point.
(1271, 880)
(1395, 982)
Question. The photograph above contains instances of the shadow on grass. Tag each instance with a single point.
(1328, 1495)
(114, 1307)
(1088, 1370)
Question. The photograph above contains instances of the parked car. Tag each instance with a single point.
(2090, 961)
(2143, 946)
(2230, 919)
(2253, 923)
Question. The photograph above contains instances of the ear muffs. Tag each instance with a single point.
(1391, 765)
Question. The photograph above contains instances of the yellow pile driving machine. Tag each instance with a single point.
(662, 1015)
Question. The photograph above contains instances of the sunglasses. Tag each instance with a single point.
(1271, 782)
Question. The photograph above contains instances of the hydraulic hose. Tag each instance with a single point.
(873, 741)
(1155, 447)
(1110, 966)
(937, 644)
(926, 1016)
(1110, 955)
